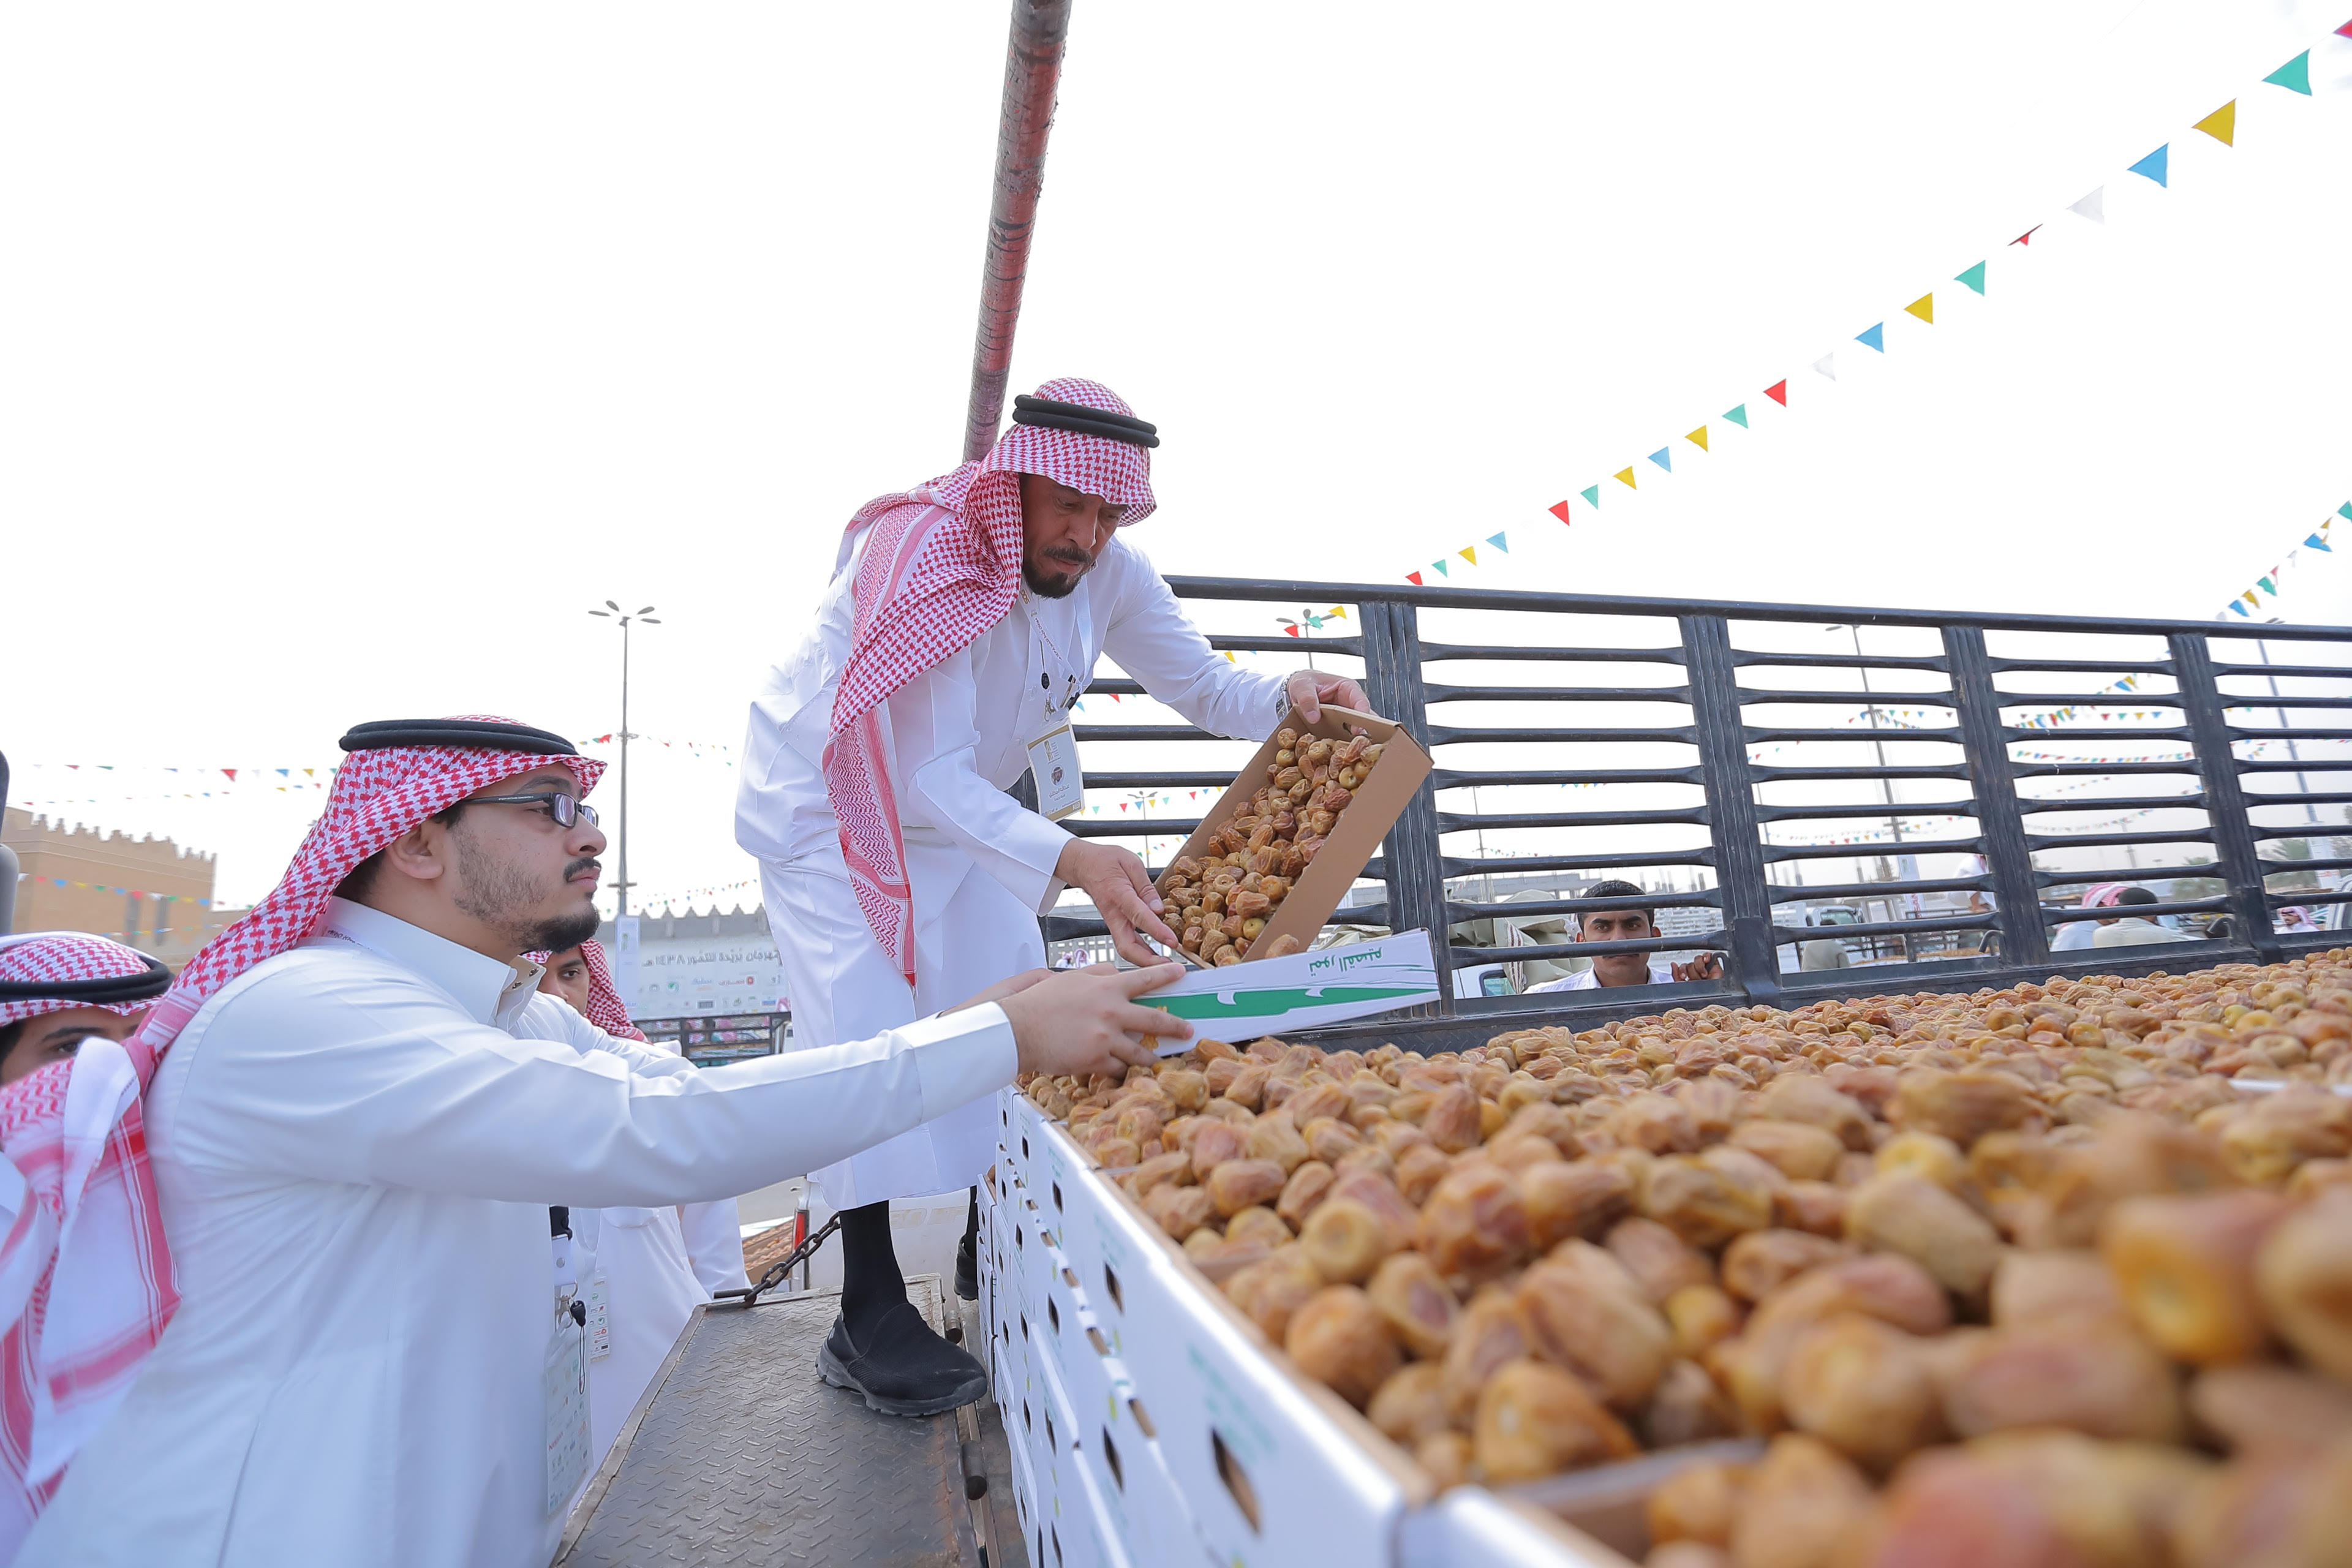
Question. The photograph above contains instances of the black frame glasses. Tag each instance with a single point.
(564, 809)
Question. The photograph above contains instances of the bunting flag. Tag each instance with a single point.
(1412, 577)
(1469, 553)
(1494, 539)
(1559, 508)
(2247, 602)
(2222, 124)
(1440, 564)
(2296, 75)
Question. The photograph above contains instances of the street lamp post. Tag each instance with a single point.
(612, 611)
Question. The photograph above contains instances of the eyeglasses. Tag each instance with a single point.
(566, 809)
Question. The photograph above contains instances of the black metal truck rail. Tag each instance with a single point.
(1733, 713)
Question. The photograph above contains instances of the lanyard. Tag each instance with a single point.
(1045, 681)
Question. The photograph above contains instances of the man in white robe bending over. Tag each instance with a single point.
(356, 1150)
(964, 620)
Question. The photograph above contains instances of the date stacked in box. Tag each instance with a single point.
(1258, 1464)
(2074, 1258)
(1277, 853)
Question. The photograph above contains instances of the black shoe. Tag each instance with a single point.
(968, 1269)
(905, 1369)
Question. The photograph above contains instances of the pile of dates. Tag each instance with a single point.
(1222, 900)
(2053, 1275)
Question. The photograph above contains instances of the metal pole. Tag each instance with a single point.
(1033, 71)
(623, 885)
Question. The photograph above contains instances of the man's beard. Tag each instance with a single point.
(499, 894)
(1056, 588)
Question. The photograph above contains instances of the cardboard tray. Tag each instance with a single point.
(1355, 837)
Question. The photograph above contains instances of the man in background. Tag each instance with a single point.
(1605, 923)
(2133, 930)
(646, 1267)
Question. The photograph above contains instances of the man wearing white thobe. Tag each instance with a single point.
(356, 1148)
(980, 867)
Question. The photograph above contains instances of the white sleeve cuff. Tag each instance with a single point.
(960, 1057)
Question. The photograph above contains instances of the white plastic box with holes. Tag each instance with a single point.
(1080, 1529)
(1275, 1469)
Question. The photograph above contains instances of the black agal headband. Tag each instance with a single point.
(1086, 421)
(489, 734)
(106, 990)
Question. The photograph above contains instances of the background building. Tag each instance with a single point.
(147, 894)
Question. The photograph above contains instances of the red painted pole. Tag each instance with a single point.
(1033, 70)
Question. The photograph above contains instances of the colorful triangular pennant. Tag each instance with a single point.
(1778, 393)
(2092, 206)
(1469, 553)
(1874, 336)
(1697, 437)
(2296, 75)
(1827, 365)
(1626, 474)
(1412, 577)
(1496, 541)
(2026, 238)
(1923, 306)
(1665, 457)
(1592, 495)
(1559, 510)
(1973, 277)
(2221, 125)
(2315, 543)
(2152, 166)
(1737, 416)
(1441, 569)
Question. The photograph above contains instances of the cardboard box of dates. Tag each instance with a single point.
(1261, 883)
(2059, 1272)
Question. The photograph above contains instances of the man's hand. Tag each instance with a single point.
(1308, 690)
(1705, 966)
(1087, 1021)
(1010, 986)
(1115, 879)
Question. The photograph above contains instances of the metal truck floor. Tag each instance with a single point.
(739, 1454)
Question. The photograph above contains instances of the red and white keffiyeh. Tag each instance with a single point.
(942, 564)
(37, 957)
(86, 1281)
(606, 1009)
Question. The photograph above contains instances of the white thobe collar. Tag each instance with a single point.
(488, 991)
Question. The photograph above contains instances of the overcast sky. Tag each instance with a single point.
(348, 356)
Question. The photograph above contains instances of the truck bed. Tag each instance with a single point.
(739, 1454)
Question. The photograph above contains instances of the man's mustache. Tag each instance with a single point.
(1071, 553)
(579, 866)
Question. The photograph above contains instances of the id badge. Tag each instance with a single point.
(1054, 766)
(565, 1388)
(599, 1316)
